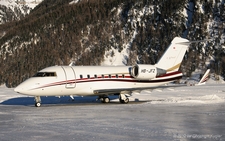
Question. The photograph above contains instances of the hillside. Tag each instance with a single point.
(95, 32)
(13, 10)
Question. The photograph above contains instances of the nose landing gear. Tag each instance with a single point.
(37, 101)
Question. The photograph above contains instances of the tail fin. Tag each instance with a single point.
(204, 78)
(172, 58)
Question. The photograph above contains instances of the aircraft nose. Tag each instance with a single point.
(19, 89)
(22, 88)
(25, 87)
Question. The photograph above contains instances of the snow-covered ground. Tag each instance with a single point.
(203, 94)
(181, 113)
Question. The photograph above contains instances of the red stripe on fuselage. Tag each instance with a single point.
(125, 79)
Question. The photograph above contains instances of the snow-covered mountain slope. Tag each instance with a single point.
(15, 9)
(111, 32)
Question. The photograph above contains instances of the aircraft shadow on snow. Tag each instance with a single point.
(51, 100)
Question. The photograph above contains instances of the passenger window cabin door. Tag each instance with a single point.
(70, 76)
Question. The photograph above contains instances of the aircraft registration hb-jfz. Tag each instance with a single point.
(103, 81)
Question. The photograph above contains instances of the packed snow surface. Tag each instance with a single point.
(176, 113)
(204, 94)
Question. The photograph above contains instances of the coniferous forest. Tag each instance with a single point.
(57, 32)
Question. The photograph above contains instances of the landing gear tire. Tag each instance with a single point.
(105, 100)
(124, 101)
(38, 104)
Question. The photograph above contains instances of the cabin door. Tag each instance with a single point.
(70, 76)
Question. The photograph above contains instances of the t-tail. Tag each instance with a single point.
(168, 63)
(172, 58)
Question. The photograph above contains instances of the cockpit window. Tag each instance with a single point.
(45, 74)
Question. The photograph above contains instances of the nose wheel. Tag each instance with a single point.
(38, 104)
(37, 101)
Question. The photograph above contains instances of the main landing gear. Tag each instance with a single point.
(104, 99)
(122, 98)
(37, 101)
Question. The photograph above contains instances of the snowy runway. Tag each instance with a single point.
(187, 113)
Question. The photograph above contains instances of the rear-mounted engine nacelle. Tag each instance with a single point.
(146, 72)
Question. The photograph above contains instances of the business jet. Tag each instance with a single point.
(103, 81)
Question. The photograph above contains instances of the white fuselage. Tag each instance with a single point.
(84, 80)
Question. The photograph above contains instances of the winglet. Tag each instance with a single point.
(204, 78)
(72, 63)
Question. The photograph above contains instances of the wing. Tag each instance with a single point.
(129, 90)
